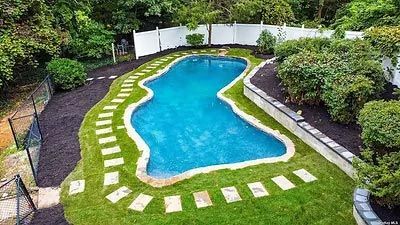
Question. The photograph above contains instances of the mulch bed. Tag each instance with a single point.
(348, 135)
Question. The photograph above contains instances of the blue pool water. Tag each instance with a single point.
(186, 126)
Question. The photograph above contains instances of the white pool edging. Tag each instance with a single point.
(141, 170)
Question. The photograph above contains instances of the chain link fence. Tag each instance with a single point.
(25, 124)
(16, 205)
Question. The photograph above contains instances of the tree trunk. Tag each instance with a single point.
(209, 34)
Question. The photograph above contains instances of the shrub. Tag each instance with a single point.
(266, 42)
(67, 74)
(380, 175)
(387, 39)
(303, 75)
(195, 39)
(345, 95)
(380, 123)
(291, 47)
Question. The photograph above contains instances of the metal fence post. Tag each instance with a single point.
(37, 118)
(13, 132)
(49, 85)
(18, 197)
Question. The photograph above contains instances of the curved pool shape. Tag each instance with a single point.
(186, 126)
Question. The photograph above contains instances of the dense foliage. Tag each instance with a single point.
(387, 39)
(266, 42)
(380, 123)
(66, 73)
(195, 39)
(343, 74)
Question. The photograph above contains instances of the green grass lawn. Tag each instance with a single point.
(325, 201)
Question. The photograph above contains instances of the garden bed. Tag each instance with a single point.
(347, 135)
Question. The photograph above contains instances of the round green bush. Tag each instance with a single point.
(380, 123)
(266, 42)
(195, 39)
(66, 73)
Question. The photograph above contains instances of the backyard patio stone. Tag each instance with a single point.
(126, 89)
(140, 202)
(127, 85)
(105, 115)
(118, 100)
(151, 67)
(173, 204)
(104, 131)
(112, 77)
(164, 59)
(258, 189)
(113, 162)
(100, 78)
(76, 187)
(169, 57)
(231, 194)
(139, 74)
(112, 150)
(103, 122)
(202, 199)
(134, 77)
(123, 95)
(120, 127)
(283, 183)
(305, 175)
(90, 78)
(110, 107)
(146, 71)
(48, 197)
(111, 178)
(107, 140)
(118, 194)
(129, 81)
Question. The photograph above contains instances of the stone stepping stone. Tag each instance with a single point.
(173, 204)
(203, 51)
(305, 175)
(169, 57)
(146, 71)
(113, 162)
(258, 189)
(103, 122)
(283, 183)
(110, 107)
(118, 100)
(122, 95)
(185, 53)
(139, 74)
(129, 81)
(140, 202)
(105, 115)
(100, 78)
(120, 127)
(112, 150)
(151, 67)
(89, 79)
(107, 140)
(127, 85)
(194, 52)
(231, 194)
(174, 55)
(154, 65)
(118, 194)
(111, 178)
(213, 50)
(126, 89)
(134, 77)
(202, 199)
(164, 59)
(76, 187)
(104, 131)
(112, 77)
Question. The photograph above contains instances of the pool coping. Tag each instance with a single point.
(141, 170)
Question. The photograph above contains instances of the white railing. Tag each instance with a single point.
(150, 42)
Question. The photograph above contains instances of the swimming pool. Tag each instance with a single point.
(187, 127)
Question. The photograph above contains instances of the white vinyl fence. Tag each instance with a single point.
(150, 42)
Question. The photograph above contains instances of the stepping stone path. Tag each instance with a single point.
(231, 194)
(129, 81)
(89, 79)
(164, 59)
(118, 100)
(257, 189)
(118, 194)
(202, 199)
(113, 162)
(134, 77)
(283, 183)
(146, 71)
(103, 122)
(110, 107)
(123, 95)
(305, 175)
(151, 67)
(107, 140)
(100, 78)
(112, 77)
(127, 85)
(104, 131)
(173, 204)
(76, 187)
(139, 74)
(105, 115)
(126, 89)
(140, 203)
(112, 150)
(111, 178)
(120, 127)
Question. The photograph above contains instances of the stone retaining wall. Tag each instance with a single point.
(362, 211)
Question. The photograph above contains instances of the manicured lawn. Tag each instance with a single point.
(325, 201)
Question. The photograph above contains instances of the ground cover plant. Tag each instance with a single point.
(296, 206)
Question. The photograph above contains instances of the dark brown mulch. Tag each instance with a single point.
(50, 216)
(388, 216)
(346, 135)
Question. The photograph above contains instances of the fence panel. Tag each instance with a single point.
(172, 38)
(147, 43)
(222, 34)
(16, 205)
(247, 34)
